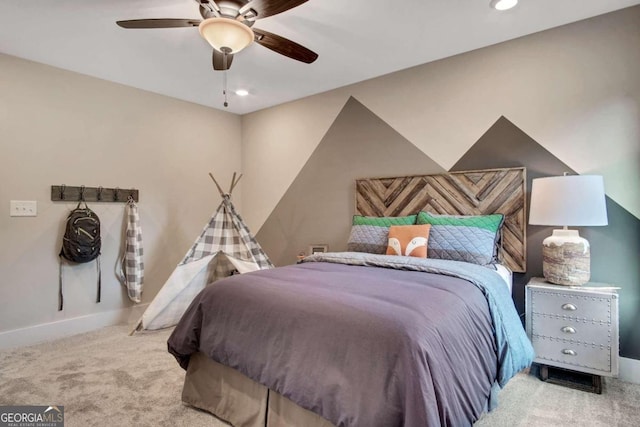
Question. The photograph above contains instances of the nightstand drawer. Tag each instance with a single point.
(593, 307)
(570, 329)
(566, 354)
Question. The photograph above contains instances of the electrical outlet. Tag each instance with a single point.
(23, 208)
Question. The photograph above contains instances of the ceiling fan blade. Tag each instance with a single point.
(266, 8)
(219, 60)
(284, 46)
(159, 23)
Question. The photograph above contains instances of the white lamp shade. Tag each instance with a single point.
(572, 200)
(226, 33)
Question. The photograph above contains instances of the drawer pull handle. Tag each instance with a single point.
(569, 352)
(568, 330)
(569, 307)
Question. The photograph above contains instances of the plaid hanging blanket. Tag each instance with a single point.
(131, 272)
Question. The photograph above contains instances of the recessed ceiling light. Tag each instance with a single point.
(242, 92)
(503, 4)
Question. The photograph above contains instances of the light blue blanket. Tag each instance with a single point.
(515, 351)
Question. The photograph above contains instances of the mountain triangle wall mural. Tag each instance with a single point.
(318, 205)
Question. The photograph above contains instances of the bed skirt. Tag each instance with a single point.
(240, 401)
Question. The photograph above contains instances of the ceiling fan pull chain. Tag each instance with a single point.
(225, 52)
(224, 85)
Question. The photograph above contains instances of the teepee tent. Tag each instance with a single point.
(224, 247)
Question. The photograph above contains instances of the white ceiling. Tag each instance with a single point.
(355, 39)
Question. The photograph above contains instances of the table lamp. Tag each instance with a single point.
(569, 200)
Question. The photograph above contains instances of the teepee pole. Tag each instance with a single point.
(137, 327)
(233, 179)
(217, 185)
(234, 182)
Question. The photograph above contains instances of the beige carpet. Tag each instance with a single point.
(103, 378)
(527, 401)
(107, 378)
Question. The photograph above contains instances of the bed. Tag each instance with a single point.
(354, 339)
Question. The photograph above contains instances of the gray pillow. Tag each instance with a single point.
(371, 233)
(469, 238)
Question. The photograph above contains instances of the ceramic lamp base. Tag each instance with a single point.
(566, 258)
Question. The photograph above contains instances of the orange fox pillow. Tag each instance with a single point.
(408, 240)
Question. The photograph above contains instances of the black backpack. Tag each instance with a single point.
(81, 242)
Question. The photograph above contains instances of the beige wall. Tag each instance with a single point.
(58, 127)
(574, 89)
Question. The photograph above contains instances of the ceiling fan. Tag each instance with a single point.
(228, 27)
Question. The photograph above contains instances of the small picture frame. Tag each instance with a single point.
(318, 249)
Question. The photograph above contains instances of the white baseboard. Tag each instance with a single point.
(629, 370)
(64, 328)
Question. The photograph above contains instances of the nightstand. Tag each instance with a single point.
(574, 328)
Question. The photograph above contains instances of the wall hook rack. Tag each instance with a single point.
(65, 193)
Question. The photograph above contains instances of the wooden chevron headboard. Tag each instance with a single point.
(478, 192)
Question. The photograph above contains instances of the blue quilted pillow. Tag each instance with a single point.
(371, 234)
(471, 238)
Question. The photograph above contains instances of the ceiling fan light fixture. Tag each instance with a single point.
(227, 33)
(503, 4)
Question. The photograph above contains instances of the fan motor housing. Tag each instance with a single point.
(226, 8)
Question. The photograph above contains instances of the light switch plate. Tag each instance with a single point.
(23, 208)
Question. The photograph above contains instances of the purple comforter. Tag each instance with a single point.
(360, 346)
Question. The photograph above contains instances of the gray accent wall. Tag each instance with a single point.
(615, 249)
(318, 205)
